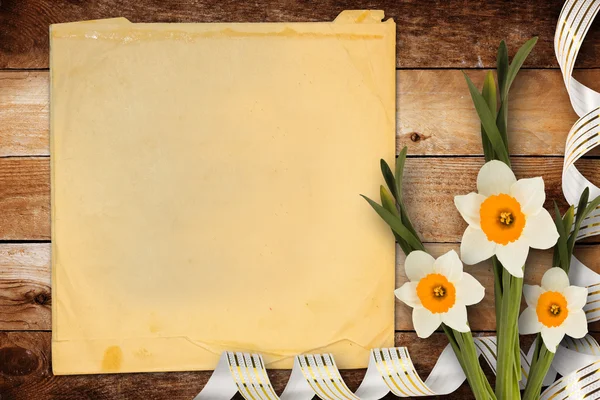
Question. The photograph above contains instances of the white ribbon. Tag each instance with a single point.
(578, 361)
(391, 370)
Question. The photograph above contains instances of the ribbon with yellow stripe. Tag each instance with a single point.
(578, 361)
(390, 370)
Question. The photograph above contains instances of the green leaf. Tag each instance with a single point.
(592, 206)
(562, 239)
(489, 92)
(400, 160)
(581, 206)
(490, 95)
(489, 122)
(502, 121)
(583, 201)
(502, 71)
(502, 65)
(517, 63)
(581, 213)
(568, 219)
(388, 176)
(396, 225)
(387, 201)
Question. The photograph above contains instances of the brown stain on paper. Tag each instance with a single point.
(113, 358)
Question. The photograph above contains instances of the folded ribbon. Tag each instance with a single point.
(389, 370)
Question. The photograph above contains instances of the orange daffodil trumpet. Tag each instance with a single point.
(438, 292)
(506, 217)
(555, 309)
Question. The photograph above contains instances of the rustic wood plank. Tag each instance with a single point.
(24, 113)
(447, 34)
(24, 198)
(431, 184)
(25, 373)
(25, 296)
(434, 112)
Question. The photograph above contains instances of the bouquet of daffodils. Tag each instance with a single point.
(505, 217)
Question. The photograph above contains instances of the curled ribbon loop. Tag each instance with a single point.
(389, 370)
(578, 360)
(574, 22)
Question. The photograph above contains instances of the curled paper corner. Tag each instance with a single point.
(360, 17)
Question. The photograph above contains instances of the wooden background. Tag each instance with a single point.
(436, 39)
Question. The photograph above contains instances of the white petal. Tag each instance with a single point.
(468, 290)
(418, 264)
(495, 177)
(555, 280)
(552, 337)
(540, 231)
(425, 322)
(532, 293)
(475, 247)
(530, 194)
(576, 297)
(407, 294)
(449, 265)
(456, 318)
(576, 324)
(513, 257)
(528, 322)
(468, 206)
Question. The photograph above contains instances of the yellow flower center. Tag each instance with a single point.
(436, 293)
(506, 218)
(552, 309)
(501, 219)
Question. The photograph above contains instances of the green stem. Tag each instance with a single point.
(509, 361)
(540, 365)
(466, 353)
(497, 268)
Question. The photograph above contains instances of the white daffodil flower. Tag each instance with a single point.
(505, 218)
(438, 292)
(555, 309)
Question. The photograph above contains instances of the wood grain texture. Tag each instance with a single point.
(435, 115)
(431, 34)
(25, 373)
(24, 198)
(24, 113)
(431, 184)
(25, 296)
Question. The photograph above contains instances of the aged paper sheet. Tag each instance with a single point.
(205, 192)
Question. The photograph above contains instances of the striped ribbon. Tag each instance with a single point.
(389, 370)
(578, 361)
(392, 370)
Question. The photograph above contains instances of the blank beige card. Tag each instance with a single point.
(205, 192)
